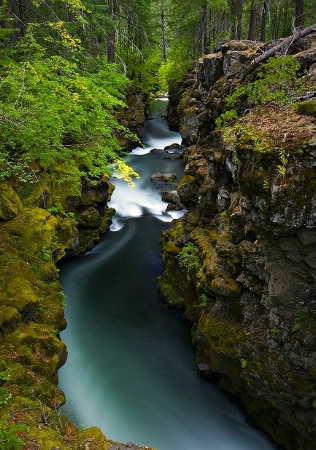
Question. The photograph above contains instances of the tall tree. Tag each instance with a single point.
(253, 20)
(111, 35)
(299, 14)
(264, 15)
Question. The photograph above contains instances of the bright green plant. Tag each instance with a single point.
(277, 84)
(243, 363)
(5, 396)
(299, 316)
(5, 375)
(53, 111)
(284, 160)
(296, 326)
(46, 254)
(63, 297)
(189, 257)
(55, 331)
(55, 209)
(229, 117)
(9, 434)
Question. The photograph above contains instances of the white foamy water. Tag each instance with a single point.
(130, 369)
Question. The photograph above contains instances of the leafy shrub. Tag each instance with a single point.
(9, 434)
(54, 111)
(189, 257)
(276, 84)
(46, 254)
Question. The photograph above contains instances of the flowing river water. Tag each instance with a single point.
(130, 368)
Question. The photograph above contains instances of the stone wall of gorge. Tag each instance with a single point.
(242, 259)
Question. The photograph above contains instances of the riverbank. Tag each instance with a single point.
(242, 259)
(41, 223)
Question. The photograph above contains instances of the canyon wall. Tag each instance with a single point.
(242, 259)
(41, 223)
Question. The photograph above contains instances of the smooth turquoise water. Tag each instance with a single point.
(130, 368)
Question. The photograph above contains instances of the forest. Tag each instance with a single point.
(66, 65)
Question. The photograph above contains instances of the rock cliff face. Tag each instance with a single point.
(242, 259)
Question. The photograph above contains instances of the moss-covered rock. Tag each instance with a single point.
(10, 203)
(250, 199)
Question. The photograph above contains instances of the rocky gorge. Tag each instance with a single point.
(241, 261)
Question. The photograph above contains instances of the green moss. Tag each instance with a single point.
(225, 286)
(223, 336)
(308, 108)
(10, 204)
(8, 315)
(171, 288)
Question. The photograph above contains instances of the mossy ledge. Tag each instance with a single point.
(249, 288)
(41, 223)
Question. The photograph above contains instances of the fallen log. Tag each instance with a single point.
(287, 42)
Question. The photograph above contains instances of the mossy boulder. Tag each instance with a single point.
(10, 203)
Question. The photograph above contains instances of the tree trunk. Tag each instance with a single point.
(265, 7)
(236, 13)
(111, 35)
(111, 47)
(163, 33)
(201, 30)
(299, 14)
(253, 21)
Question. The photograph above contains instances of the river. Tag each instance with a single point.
(130, 369)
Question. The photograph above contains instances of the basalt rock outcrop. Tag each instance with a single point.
(242, 259)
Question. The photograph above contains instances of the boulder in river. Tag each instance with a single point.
(173, 199)
(164, 177)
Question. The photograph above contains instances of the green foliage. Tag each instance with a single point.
(248, 135)
(63, 297)
(308, 108)
(275, 331)
(226, 119)
(284, 160)
(55, 209)
(9, 434)
(53, 112)
(5, 375)
(276, 84)
(299, 316)
(40, 306)
(189, 257)
(174, 69)
(204, 301)
(243, 363)
(46, 254)
(55, 331)
(5, 397)
(296, 326)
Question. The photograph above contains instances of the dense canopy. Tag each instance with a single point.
(66, 64)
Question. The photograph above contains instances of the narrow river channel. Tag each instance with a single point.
(130, 369)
